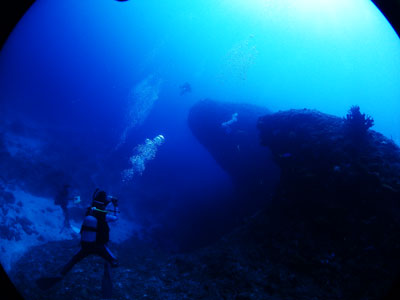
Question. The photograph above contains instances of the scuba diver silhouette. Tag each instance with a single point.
(185, 88)
(61, 199)
(94, 237)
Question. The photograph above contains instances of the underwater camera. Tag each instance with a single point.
(113, 200)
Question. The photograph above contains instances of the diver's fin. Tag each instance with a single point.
(44, 283)
(106, 284)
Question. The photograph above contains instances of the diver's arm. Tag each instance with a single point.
(111, 218)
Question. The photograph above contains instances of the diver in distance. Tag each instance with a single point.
(185, 88)
(61, 199)
(94, 237)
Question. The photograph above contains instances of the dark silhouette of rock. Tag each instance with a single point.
(337, 202)
(228, 131)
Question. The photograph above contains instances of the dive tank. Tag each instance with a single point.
(89, 228)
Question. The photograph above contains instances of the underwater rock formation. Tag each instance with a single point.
(337, 202)
(228, 131)
(331, 230)
(316, 155)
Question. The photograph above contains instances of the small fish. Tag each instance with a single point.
(285, 155)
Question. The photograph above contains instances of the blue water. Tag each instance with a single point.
(92, 80)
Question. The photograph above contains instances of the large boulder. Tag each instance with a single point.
(336, 213)
(229, 132)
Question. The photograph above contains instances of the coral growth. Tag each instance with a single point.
(356, 123)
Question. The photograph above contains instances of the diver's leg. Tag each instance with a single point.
(45, 283)
(106, 284)
(81, 254)
(105, 253)
(66, 224)
(66, 217)
(111, 261)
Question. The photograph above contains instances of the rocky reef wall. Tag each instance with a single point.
(332, 227)
(337, 201)
(228, 131)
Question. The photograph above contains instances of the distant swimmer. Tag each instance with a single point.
(62, 198)
(185, 88)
